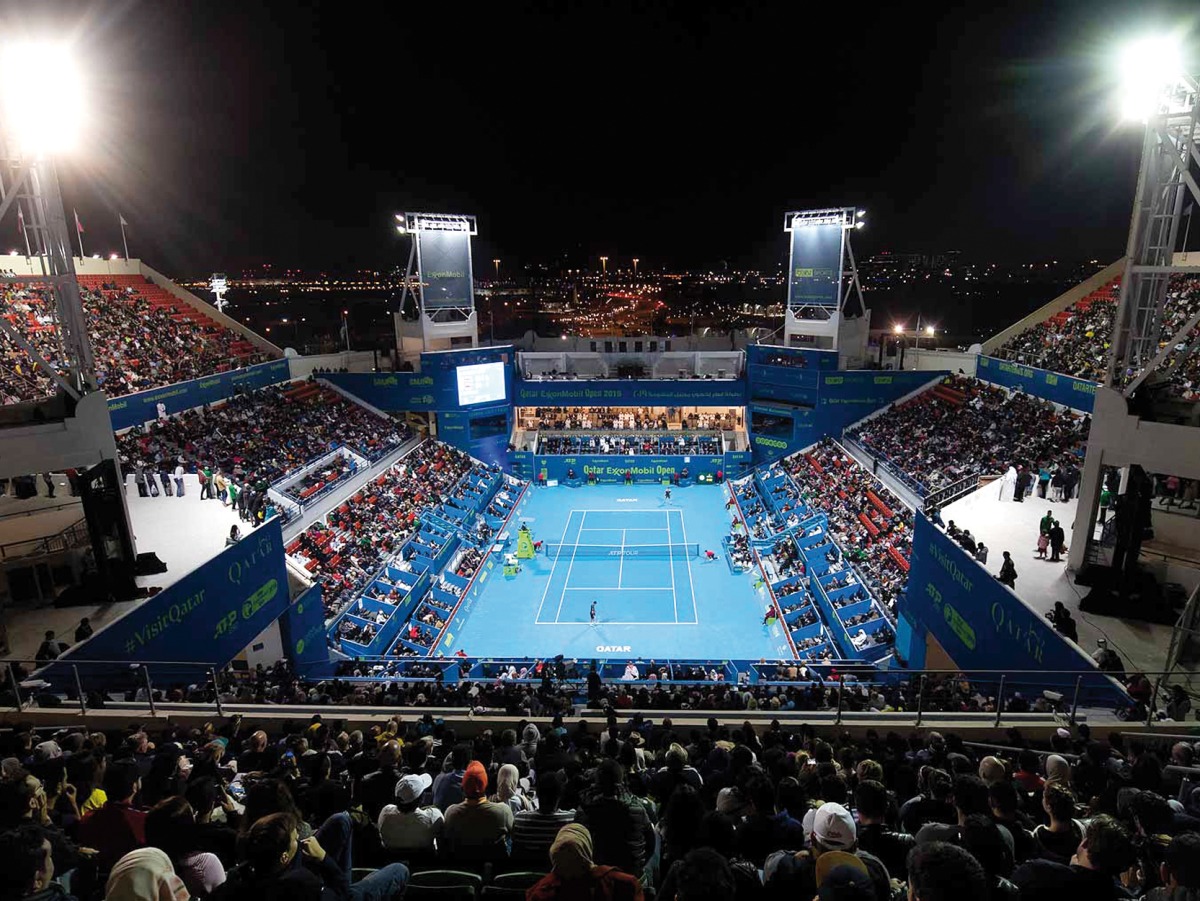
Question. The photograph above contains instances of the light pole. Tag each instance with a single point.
(496, 263)
(346, 329)
(635, 262)
(604, 266)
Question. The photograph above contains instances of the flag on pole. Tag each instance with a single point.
(78, 231)
(124, 240)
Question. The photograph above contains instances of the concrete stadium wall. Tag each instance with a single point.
(32, 266)
(939, 360)
(1060, 303)
(84, 439)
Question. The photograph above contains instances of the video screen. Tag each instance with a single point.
(480, 383)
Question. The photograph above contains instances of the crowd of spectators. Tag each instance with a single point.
(1077, 341)
(355, 540)
(617, 807)
(964, 427)
(136, 345)
(607, 443)
(872, 526)
(324, 478)
(628, 418)
(262, 435)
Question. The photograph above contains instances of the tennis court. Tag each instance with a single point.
(634, 564)
(641, 559)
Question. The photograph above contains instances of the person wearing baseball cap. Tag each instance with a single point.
(831, 828)
(406, 825)
(477, 828)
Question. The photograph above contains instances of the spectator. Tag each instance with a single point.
(476, 827)
(574, 873)
(938, 871)
(1104, 852)
(406, 825)
(447, 786)
(616, 820)
(116, 828)
(379, 787)
(534, 830)
(145, 874)
(508, 790)
(1058, 839)
(28, 870)
(171, 827)
(874, 835)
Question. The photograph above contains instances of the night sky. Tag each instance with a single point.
(236, 133)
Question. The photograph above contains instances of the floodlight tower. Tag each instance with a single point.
(825, 307)
(1157, 91)
(440, 257)
(219, 285)
(41, 109)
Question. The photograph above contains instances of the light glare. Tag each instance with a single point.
(42, 103)
(1146, 67)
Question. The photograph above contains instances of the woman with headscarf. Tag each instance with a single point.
(1058, 770)
(145, 875)
(575, 875)
(508, 789)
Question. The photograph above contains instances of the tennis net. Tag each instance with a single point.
(664, 551)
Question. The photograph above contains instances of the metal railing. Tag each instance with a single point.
(862, 695)
(73, 536)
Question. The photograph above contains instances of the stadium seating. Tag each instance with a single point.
(964, 427)
(142, 337)
(697, 444)
(1076, 341)
(266, 435)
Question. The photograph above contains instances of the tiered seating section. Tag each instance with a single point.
(834, 583)
(265, 435)
(963, 427)
(1076, 341)
(142, 337)
(398, 555)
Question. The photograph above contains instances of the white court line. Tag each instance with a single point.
(695, 611)
(575, 547)
(604, 622)
(553, 566)
(621, 565)
(610, 588)
(671, 566)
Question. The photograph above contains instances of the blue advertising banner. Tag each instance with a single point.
(135, 409)
(789, 359)
(644, 467)
(302, 629)
(207, 617)
(815, 275)
(631, 393)
(396, 391)
(980, 623)
(1078, 394)
(444, 263)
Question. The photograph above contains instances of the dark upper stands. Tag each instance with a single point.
(1076, 341)
(142, 337)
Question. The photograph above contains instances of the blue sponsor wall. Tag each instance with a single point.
(1079, 394)
(612, 468)
(835, 400)
(631, 393)
(983, 625)
(135, 409)
(302, 630)
(207, 617)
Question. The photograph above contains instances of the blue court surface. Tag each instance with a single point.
(640, 559)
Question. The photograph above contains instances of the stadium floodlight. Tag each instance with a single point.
(929, 330)
(898, 329)
(42, 117)
(1147, 67)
